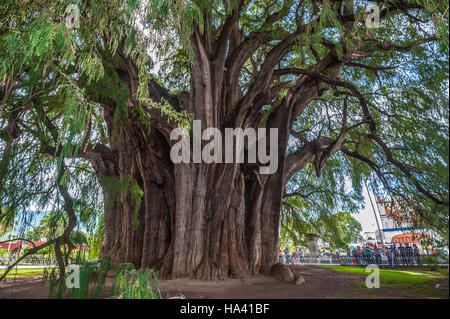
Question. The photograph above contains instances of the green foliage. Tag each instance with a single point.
(137, 284)
(6, 224)
(121, 190)
(92, 281)
(24, 273)
(97, 239)
(337, 229)
(128, 283)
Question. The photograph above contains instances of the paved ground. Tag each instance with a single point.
(320, 283)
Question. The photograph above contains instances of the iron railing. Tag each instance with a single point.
(407, 260)
(6, 260)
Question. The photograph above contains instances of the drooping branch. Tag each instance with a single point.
(28, 253)
(374, 166)
(61, 239)
(156, 91)
(299, 159)
(390, 157)
(69, 208)
(351, 87)
(388, 46)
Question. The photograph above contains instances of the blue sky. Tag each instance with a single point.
(366, 216)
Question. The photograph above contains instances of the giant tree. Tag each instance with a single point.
(88, 106)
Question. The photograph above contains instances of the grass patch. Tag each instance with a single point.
(413, 283)
(442, 271)
(23, 272)
(389, 276)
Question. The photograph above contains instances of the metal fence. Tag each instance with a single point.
(407, 260)
(6, 260)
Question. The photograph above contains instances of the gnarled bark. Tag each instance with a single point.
(207, 221)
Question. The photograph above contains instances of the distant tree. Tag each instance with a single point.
(337, 229)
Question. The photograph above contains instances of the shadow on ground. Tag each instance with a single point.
(321, 283)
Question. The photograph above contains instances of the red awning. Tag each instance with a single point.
(408, 238)
(36, 243)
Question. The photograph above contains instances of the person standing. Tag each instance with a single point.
(388, 254)
(300, 255)
(368, 255)
(364, 255)
(359, 256)
(280, 256)
(409, 254)
(395, 255)
(417, 254)
(349, 256)
(377, 254)
(354, 256)
(402, 254)
(286, 254)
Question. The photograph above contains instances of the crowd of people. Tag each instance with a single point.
(403, 255)
(393, 255)
(297, 256)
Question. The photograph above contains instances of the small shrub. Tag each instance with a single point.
(129, 283)
(92, 281)
(137, 284)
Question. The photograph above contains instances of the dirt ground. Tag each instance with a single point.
(321, 283)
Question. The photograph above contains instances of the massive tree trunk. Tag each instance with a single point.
(198, 220)
(207, 221)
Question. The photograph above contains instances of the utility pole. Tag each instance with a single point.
(375, 215)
